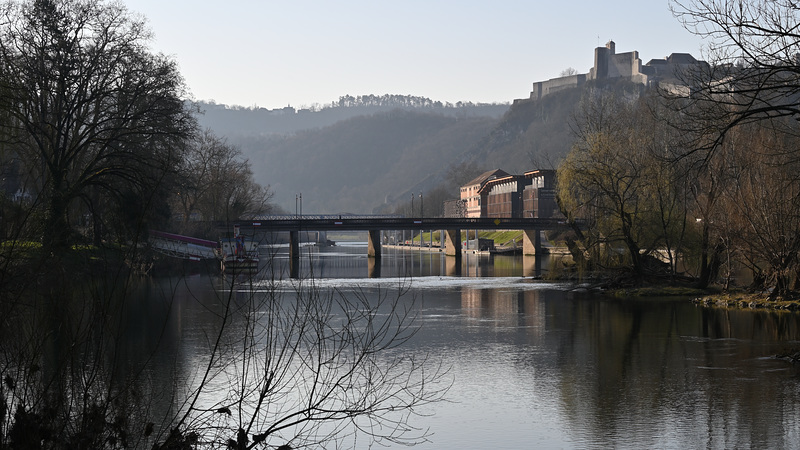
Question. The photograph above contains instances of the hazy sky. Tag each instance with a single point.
(300, 52)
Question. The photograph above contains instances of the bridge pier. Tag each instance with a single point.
(452, 243)
(294, 254)
(531, 242)
(374, 244)
(373, 267)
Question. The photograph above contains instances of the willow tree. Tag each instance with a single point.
(760, 202)
(618, 177)
(94, 115)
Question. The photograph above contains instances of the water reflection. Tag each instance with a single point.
(350, 260)
(597, 373)
(538, 365)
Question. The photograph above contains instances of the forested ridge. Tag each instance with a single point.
(394, 145)
(232, 119)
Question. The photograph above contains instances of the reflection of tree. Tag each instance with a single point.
(95, 368)
(625, 367)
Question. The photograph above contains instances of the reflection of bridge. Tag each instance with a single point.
(451, 227)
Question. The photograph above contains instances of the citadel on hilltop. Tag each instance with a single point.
(497, 194)
(608, 64)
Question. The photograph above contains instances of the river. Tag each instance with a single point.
(538, 364)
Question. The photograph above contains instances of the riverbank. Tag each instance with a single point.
(498, 250)
(746, 300)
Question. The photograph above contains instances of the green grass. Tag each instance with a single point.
(659, 291)
(499, 237)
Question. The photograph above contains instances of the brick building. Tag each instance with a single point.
(539, 196)
(498, 194)
(474, 203)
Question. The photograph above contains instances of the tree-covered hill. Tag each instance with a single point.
(360, 163)
(387, 147)
(232, 120)
(538, 134)
(531, 135)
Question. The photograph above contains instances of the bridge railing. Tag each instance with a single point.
(355, 223)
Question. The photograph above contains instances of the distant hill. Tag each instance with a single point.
(236, 120)
(360, 163)
(531, 135)
(538, 134)
(368, 153)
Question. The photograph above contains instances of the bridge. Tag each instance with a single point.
(192, 248)
(451, 227)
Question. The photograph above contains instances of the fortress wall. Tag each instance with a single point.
(609, 64)
(624, 65)
(544, 88)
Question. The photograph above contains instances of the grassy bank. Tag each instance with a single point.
(747, 300)
(503, 237)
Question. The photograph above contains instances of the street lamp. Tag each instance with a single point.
(298, 200)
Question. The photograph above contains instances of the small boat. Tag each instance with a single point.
(238, 254)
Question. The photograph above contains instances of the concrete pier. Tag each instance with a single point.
(374, 244)
(452, 243)
(531, 242)
(294, 254)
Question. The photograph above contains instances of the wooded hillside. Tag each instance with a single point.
(373, 159)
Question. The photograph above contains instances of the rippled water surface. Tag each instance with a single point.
(543, 365)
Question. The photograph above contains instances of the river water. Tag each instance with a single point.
(538, 364)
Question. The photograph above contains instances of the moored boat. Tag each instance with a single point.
(238, 254)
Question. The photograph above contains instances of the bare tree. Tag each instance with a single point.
(762, 200)
(569, 71)
(307, 369)
(93, 114)
(753, 70)
(217, 183)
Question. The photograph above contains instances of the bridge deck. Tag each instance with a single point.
(316, 223)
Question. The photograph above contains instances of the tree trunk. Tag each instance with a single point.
(56, 230)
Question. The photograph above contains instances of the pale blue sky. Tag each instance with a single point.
(300, 52)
